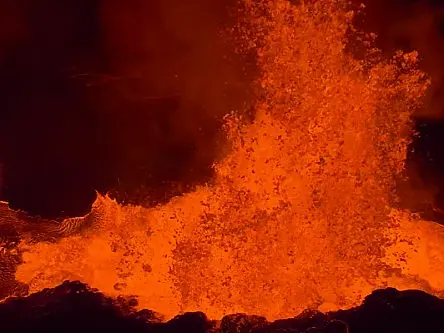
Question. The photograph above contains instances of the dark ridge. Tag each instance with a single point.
(70, 307)
(73, 307)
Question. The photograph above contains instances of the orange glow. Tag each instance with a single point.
(299, 215)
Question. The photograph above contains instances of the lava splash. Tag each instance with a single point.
(300, 214)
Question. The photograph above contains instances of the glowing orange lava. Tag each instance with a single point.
(300, 212)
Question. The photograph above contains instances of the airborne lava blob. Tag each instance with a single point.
(299, 215)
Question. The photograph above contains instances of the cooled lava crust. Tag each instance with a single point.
(74, 307)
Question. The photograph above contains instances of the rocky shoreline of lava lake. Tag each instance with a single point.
(74, 307)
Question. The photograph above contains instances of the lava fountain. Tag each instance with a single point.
(300, 214)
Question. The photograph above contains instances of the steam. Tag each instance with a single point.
(175, 48)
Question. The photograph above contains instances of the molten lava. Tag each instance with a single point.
(300, 212)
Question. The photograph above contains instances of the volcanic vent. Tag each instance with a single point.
(301, 211)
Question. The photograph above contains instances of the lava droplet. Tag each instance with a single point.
(310, 176)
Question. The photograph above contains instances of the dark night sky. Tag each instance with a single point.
(109, 97)
(418, 25)
(78, 76)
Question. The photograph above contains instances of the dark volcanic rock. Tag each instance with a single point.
(73, 307)
(240, 323)
(390, 310)
(70, 307)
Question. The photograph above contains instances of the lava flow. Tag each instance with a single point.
(300, 212)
